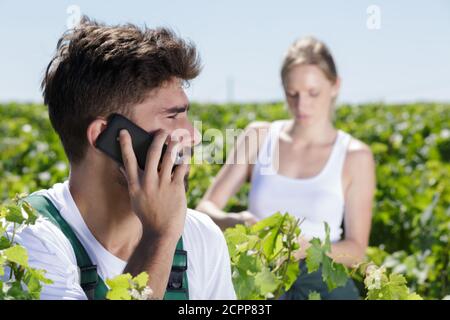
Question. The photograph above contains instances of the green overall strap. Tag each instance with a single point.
(91, 283)
(177, 287)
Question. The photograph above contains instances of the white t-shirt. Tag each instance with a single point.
(209, 272)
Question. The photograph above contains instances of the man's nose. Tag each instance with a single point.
(195, 135)
(189, 136)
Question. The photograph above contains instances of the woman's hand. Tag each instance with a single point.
(232, 175)
(231, 219)
(304, 245)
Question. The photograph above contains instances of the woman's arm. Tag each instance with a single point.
(358, 205)
(359, 193)
(233, 174)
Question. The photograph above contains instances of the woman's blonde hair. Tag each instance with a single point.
(309, 51)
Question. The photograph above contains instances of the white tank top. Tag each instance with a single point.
(317, 199)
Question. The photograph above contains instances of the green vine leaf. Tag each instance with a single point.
(314, 295)
(17, 254)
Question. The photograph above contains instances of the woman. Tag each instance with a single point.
(304, 166)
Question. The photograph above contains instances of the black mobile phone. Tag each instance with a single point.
(108, 140)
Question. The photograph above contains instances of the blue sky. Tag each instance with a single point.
(242, 44)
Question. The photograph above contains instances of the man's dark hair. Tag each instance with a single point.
(99, 69)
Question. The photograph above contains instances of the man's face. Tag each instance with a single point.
(166, 108)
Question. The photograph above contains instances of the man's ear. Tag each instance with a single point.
(94, 129)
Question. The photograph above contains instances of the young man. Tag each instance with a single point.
(126, 219)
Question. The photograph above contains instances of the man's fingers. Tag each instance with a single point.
(168, 160)
(129, 158)
(181, 170)
(154, 154)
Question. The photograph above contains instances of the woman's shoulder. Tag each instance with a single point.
(264, 126)
(359, 154)
(258, 125)
(258, 129)
(256, 132)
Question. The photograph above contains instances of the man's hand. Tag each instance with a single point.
(157, 195)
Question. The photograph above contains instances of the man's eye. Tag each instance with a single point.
(173, 116)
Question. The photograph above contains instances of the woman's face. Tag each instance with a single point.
(310, 94)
